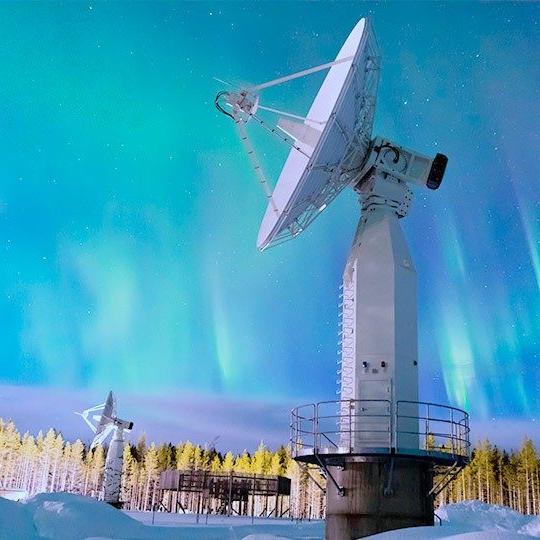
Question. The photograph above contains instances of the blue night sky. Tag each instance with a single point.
(129, 211)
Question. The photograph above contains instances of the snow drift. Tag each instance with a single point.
(472, 520)
(64, 516)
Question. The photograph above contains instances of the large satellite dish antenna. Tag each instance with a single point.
(334, 137)
(330, 145)
(103, 420)
(378, 413)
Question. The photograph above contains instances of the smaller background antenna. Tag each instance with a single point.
(103, 420)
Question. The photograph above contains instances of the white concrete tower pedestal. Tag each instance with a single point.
(114, 463)
(103, 420)
(379, 328)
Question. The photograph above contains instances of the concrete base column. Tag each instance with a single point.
(378, 497)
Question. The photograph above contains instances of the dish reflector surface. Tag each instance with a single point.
(342, 114)
(109, 412)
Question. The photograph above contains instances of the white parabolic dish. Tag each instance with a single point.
(105, 425)
(342, 113)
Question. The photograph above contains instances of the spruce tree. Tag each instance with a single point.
(228, 462)
(185, 456)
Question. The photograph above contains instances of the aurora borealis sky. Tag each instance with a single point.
(129, 211)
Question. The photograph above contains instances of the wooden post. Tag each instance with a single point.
(253, 500)
(229, 506)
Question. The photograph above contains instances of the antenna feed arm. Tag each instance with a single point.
(243, 104)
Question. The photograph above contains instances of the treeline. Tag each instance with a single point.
(143, 464)
(499, 477)
(48, 463)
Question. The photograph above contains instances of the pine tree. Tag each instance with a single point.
(57, 452)
(10, 444)
(197, 458)
(166, 457)
(141, 447)
(35, 481)
(129, 475)
(277, 467)
(228, 462)
(206, 458)
(64, 467)
(96, 465)
(527, 465)
(485, 471)
(151, 467)
(261, 460)
(47, 457)
(28, 462)
(185, 456)
(75, 477)
(215, 464)
(242, 463)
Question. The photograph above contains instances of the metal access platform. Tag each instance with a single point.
(205, 492)
(330, 432)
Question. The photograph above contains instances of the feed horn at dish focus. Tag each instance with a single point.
(378, 445)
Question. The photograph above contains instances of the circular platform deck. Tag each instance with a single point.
(332, 432)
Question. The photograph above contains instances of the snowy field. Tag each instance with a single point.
(64, 516)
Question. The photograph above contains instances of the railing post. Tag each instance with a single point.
(452, 431)
(293, 433)
(427, 429)
(397, 426)
(393, 423)
(316, 441)
(467, 443)
(350, 425)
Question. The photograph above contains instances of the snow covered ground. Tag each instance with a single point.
(62, 516)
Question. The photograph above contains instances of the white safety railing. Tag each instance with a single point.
(370, 426)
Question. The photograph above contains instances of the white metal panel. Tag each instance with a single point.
(326, 99)
(379, 353)
(345, 103)
(109, 411)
